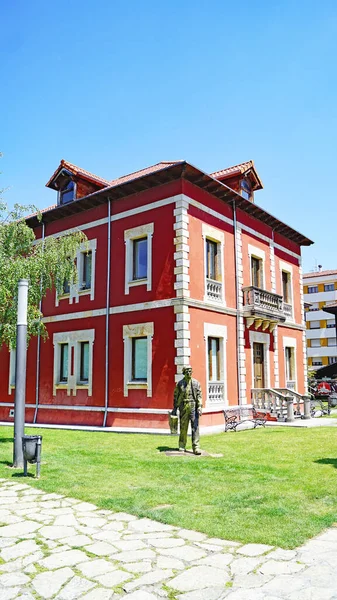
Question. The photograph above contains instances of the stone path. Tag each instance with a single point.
(61, 548)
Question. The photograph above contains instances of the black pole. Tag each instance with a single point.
(20, 373)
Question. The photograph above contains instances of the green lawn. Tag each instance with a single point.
(274, 485)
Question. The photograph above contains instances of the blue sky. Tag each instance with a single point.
(114, 86)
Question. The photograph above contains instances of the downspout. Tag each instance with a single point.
(238, 314)
(38, 351)
(106, 392)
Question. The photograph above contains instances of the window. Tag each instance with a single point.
(84, 362)
(314, 324)
(67, 192)
(331, 324)
(290, 363)
(246, 189)
(332, 360)
(317, 362)
(313, 289)
(73, 360)
(213, 359)
(138, 256)
(64, 358)
(315, 343)
(215, 341)
(211, 260)
(329, 287)
(139, 261)
(12, 366)
(214, 240)
(286, 283)
(314, 306)
(332, 341)
(86, 265)
(138, 357)
(256, 268)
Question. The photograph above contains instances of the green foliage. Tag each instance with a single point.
(46, 264)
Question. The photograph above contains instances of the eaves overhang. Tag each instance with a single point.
(168, 174)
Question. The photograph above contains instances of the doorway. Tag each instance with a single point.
(258, 362)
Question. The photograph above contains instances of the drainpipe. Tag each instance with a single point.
(106, 393)
(38, 352)
(238, 314)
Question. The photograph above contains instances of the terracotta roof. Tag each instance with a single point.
(320, 274)
(241, 168)
(147, 171)
(41, 210)
(64, 164)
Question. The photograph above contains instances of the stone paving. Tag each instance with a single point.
(56, 547)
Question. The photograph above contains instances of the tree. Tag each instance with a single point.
(45, 263)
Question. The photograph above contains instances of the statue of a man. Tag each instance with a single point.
(188, 398)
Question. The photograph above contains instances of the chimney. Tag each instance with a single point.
(319, 268)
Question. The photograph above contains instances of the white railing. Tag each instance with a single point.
(214, 290)
(288, 310)
(291, 385)
(216, 391)
(271, 401)
(257, 299)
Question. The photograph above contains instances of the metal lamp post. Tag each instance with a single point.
(20, 373)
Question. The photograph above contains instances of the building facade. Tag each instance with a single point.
(181, 268)
(320, 290)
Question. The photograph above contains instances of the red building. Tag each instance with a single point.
(183, 267)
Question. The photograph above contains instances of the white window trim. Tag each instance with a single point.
(214, 235)
(73, 339)
(129, 236)
(217, 331)
(75, 290)
(261, 338)
(289, 342)
(284, 266)
(130, 331)
(11, 385)
(257, 253)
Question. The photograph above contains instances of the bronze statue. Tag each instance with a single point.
(188, 398)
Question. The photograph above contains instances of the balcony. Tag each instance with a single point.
(288, 310)
(262, 307)
(216, 392)
(214, 290)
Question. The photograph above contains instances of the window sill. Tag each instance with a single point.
(135, 282)
(82, 386)
(137, 385)
(64, 297)
(84, 291)
(61, 386)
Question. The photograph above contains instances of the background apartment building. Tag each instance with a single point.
(320, 289)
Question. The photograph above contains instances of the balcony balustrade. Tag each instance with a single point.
(214, 290)
(288, 310)
(263, 304)
(216, 391)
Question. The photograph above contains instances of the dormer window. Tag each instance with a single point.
(246, 189)
(67, 192)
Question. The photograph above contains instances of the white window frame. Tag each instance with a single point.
(333, 339)
(214, 235)
(260, 338)
(315, 359)
(331, 361)
(73, 339)
(75, 291)
(11, 375)
(313, 287)
(315, 321)
(216, 331)
(130, 235)
(255, 252)
(315, 345)
(287, 268)
(289, 342)
(129, 332)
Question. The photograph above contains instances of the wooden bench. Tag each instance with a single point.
(243, 414)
